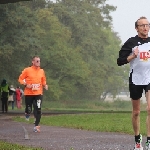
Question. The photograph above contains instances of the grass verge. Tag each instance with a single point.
(9, 146)
(101, 122)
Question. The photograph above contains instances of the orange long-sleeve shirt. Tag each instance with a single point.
(35, 77)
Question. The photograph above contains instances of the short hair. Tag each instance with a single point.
(136, 23)
(35, 57)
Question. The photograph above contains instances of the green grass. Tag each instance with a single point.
(85, 105)
(9, 146)
(103, 116)
(93, 105)
(102, 122)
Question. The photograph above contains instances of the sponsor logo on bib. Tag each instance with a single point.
(144, 56)
(35, 87)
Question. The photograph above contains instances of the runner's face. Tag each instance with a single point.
(36, 62)
(143, 28)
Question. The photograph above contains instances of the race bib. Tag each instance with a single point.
(144, 56)
(35, 87)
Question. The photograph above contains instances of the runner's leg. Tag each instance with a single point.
(37, 109)
(28, 105)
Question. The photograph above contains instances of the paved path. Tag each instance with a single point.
(59, 138)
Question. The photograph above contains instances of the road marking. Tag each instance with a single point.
(26, 135)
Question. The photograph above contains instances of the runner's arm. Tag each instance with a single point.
(22, 77)
(125, 54)
(44, 81)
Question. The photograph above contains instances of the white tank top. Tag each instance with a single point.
(140, 66)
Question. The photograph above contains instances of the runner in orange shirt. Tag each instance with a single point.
(34, 80)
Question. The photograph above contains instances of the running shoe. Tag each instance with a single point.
(27, 116)
(138, 145)
(36, 129)
(147, 145)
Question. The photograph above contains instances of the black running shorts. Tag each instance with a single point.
(137, 90)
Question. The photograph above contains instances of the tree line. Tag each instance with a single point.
(75, 41)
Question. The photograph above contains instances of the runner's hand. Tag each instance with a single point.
(46, 87)
(135, 52)
(29, 86)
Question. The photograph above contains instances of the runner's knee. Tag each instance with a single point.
(136, 113)
(148, 110)
(29, 109)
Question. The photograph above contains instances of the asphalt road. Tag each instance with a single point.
(59, 138)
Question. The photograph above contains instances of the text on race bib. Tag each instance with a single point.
(144, 56)
(35, 87)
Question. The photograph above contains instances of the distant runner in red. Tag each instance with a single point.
(34, 80)
(18, 97)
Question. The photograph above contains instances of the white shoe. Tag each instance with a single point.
(147, 146)
(36, 129)
(138, 145)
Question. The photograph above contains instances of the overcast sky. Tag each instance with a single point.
(128, 11)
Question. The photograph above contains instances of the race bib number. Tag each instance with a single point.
(35, 87)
